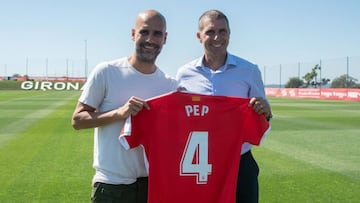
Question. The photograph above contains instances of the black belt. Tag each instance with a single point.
(246, 155)
(105, 185)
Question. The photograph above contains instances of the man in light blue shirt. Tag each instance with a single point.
(218, 72)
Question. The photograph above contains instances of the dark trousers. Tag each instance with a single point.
(132, 193)
(247, 190)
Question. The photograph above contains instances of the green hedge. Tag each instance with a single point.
(10, 85)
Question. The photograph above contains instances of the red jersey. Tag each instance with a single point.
(193, 144)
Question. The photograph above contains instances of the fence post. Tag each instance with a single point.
(264, 75)
(280, 77)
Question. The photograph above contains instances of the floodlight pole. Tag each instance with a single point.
(86, 62)
(264, 75)
(47, 69)
(320, 67)
(280, 76)
(27, 66)
(67, 69)
(347, 72)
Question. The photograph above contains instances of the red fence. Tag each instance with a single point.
(315, 93)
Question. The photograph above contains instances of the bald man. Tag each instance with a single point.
(114, 91)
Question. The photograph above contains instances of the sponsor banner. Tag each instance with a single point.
(315, 93)
(47, 85)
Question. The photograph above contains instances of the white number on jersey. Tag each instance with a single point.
(194, 161)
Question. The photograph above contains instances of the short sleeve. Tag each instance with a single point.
(94, 88)
(254, 127)
(126, 138)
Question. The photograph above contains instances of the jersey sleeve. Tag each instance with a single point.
(135, 129)
(126, 138)
(255, 127)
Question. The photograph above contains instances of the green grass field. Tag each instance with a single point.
(312, 153)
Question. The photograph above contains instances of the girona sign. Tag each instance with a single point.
(47, 85)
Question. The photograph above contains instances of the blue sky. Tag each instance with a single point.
(266, 32)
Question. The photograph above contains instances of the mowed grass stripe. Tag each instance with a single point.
(312, 153)
(319, 136)
(49, 161)
(284, 178)
(18, 113)
(346, 162)
(301, 160)
(322, 112)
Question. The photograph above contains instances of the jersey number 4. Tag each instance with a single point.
(194, 161)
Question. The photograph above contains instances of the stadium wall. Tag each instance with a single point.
(315, 93)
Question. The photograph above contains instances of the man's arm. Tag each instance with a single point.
(85, 116)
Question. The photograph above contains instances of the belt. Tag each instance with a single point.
(138, 180)
(246, 155)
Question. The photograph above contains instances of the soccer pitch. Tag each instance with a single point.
(311, 154)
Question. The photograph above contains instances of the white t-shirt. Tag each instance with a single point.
(109, 86)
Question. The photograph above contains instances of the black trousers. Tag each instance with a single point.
(247, 190)
(108, 193)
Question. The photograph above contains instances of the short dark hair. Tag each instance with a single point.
(213, 14)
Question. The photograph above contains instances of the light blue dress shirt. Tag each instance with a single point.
(237, 77)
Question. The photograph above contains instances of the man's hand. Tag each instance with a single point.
(132, 107)
(261, 106)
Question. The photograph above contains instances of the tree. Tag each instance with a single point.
(324, 81)
(345, 81)
(294, 82)
(311, 78)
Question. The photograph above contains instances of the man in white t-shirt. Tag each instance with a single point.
(113, 91)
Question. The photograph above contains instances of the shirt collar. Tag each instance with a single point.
(229, 63)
